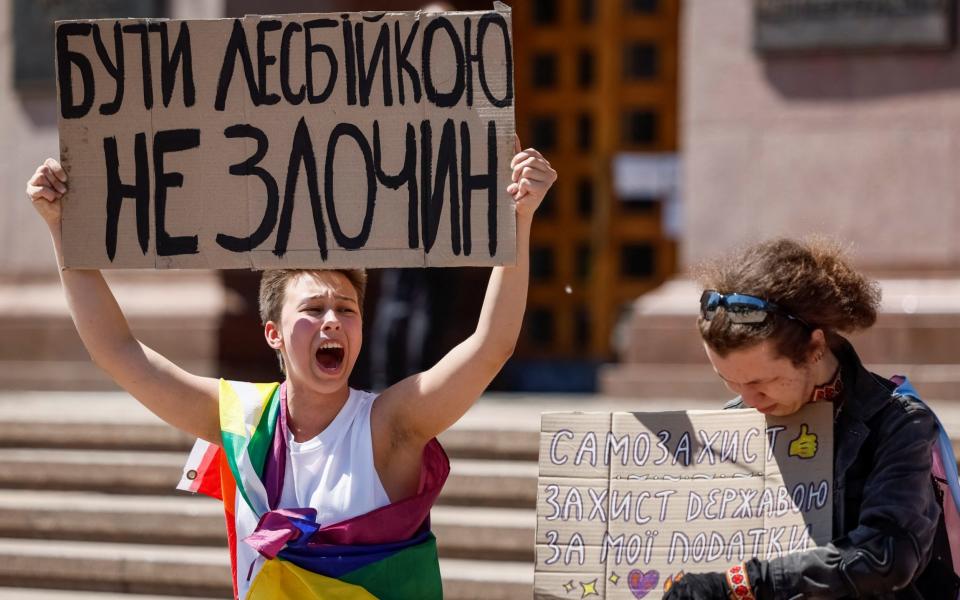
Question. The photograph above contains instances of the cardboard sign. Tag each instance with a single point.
(308, 140)
(627, 501)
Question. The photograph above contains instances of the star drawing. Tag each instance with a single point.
(589, 588)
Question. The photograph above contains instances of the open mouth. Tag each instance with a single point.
(330, 357)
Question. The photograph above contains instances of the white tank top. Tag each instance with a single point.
(333, 473)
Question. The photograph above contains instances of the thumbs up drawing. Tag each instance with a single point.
(805, 444)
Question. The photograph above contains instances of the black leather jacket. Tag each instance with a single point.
(885, 511)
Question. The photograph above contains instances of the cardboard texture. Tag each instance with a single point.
(626, 501)
(308, 140)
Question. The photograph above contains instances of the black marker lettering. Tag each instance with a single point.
(66, 59)
(264, 60)
(451, 98)
(345, 241)
(470, 57)
(174, 140)
(431, 194)
(311, 48)
(381, 54)
(407, 175)
(483, 181)
(485, 22)
(350, 59)
(180, 58)
(301, 152)
(249, 167)
(236, 46)
(114, 69)
(293, 98)
(117, 191)
(142, 30)
(403, 63)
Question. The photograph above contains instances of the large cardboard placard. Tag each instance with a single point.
(627, 501)
(308, 140)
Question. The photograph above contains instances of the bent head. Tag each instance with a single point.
(772, 312)
(767, 380)
(313, 319)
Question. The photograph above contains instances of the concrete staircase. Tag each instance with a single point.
(87, 504)
(88, 507)
(661, 353)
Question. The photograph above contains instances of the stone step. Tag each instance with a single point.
(196, 571)
(178, 520)
(496, 443)
(491, 483)
(56, 338)
(46, 373)
(40, 348)
(642, 381)
(462, 532)
(97, 435)
(472, 579)
(18, 593)
(110, 567)
(674, 339)
(494, 534)
(459, 443)
(471, 482)
(919, 323)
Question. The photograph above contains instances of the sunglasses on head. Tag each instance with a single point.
(741, 308)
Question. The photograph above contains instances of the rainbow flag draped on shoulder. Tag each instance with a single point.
(384, 554)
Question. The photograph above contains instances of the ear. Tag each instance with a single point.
(817, 346)
(271, 331)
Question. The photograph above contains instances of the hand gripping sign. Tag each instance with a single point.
(308, 140)
(628, 502)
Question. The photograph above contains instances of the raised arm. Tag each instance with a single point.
(423, 405)
(186, 401)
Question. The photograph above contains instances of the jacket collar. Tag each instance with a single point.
(864, 392)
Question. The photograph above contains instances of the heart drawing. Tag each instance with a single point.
(641, 583)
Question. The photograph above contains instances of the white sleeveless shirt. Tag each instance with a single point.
(333, 473)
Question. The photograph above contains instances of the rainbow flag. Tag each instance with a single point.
(386, 553)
